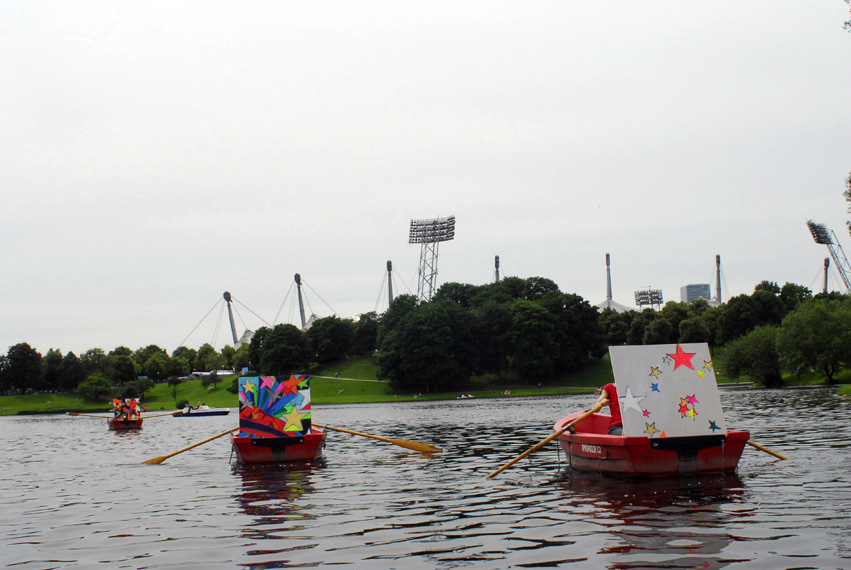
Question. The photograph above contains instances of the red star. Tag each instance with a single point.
(682, 358)
(291, 385)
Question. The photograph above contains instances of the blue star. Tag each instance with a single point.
(713, 426)
(654, 387)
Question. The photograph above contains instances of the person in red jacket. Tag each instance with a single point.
(609, 396)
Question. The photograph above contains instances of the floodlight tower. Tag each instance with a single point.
(826, 237)
(649, 297)
(429, 234)
(227, 298)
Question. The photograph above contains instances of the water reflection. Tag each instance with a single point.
(677, 522)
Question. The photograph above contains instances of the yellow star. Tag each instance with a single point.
(701, 374)
(250, 387)
(293, 420)
(707, 364)
(651, 429)
(654, 371)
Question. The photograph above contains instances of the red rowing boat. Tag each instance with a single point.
(304, 448)
(119, 424)
(275, 421)
(590, 448)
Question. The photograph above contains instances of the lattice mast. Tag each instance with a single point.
(826, 237)
(429, 234)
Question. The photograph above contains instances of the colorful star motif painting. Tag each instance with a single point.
(269, 408)
(673, 384)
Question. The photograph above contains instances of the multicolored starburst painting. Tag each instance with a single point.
(269, 408)
(667, 390)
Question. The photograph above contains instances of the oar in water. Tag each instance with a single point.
(88, 415)
(416, 446)
(161, 458)
(542, 443)
(765, 449)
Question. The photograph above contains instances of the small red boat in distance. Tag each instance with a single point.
(119, 424)
(590, 448)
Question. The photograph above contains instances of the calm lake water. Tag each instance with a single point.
(74, 495)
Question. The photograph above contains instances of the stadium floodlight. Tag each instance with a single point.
(648, 298)
(429, 233)
(820, 233)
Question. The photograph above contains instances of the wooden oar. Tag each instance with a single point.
(88, 415)
(416, 446)
(542, 443)
(161, 458)
(765, 449)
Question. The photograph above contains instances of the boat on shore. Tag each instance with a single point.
(589, 448)
(115, 424)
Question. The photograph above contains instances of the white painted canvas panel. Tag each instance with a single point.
(667, 390)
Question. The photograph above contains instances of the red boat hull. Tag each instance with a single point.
(304, 448)
(592, 449)
(116, 424)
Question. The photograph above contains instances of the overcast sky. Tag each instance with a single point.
(156, 154)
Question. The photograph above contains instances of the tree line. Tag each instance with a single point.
(520, 330)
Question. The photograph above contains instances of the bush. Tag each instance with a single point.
(95, 387)
(234, 387)
(182, 404)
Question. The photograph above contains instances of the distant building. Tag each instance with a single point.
(690, 293)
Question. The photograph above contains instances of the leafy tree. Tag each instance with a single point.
(285, 351)
(577, 330)
(71, 373)
(769, 286)
(615, 325)
(744, 313)
(139, 386)
(460, 293)
(142, 355)
(365, 337)
(177, 366)
(532, 336)
(255, 347)
(433, 347)
(52, 370)
(23, 368)
(174, 382)
(660, 331)
(120, 351)
(208, 359)
(156, 366)
(793, 295)
(494, 341)
(395, 314)
(123, 368)
(330, 338)
(241, 358)
(638, 326)
(228, 353)
(95, 387)
(694, 329)
(95, 360)
(755, 355)
(187, 353)
(817, 335)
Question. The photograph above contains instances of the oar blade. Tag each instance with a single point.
(415, 445)
(156, 460)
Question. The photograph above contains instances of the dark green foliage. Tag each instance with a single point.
(817, 335)
(123, 369)
(365, 337)
(755, 355)
(23, 368)
(95, 387)
(285, 351)
(330, 338)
